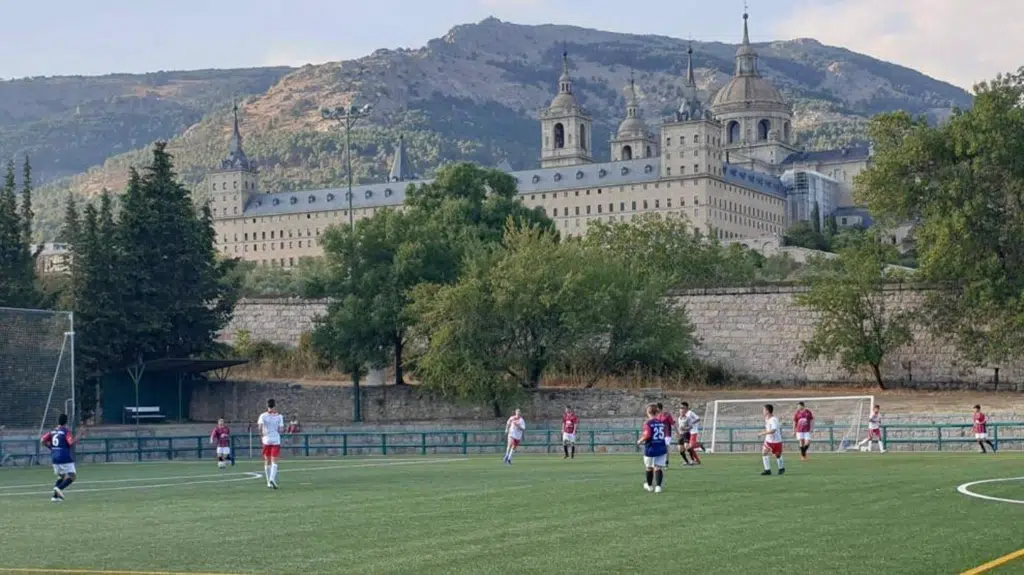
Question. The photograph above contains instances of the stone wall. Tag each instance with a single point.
(752, 334)
(397, 406)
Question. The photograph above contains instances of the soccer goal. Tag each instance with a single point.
(734, 424)
(37, 367)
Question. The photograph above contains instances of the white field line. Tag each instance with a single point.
(353, 463)
(965, 489)
(220, 478)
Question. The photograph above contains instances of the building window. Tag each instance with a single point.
(668, 141)
(588, 210)
(645, 204)
(577, 210)
(668, 203)
(696, 168)
(634, 206)
(611, 207)
(622, 206)
(599, 207)
(668, 171)
(696, 138)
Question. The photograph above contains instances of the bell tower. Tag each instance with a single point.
(231, 186)
(565, 127)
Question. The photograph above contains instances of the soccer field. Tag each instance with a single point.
(851, 513)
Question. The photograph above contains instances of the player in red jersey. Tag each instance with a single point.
(981, 430)
(670, 424)
(803, 419)
(570, 426)
(221, 437)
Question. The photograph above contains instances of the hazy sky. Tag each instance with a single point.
(959, 41)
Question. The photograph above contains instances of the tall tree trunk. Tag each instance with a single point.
(399, 372)
(878, 376)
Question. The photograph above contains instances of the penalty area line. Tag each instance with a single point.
(965, 489)
(999, 562)
(245, 476)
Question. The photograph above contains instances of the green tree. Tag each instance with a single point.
(18, 282)
(177, 299)
(962, 183)
(374, 269)
(857, 326)
(803, 234)
(670, 249)
(816, 218)
(514, 311)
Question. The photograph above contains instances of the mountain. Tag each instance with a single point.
(473, 94)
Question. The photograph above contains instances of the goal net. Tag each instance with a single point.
(37, 371)
(733, 425)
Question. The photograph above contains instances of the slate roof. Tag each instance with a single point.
(828, 156)
(541, 180)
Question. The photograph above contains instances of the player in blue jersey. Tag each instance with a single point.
(61, 442)
(655, 449)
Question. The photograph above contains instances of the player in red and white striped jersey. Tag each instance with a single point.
(874, 430)
(570, 426)
(981, 430)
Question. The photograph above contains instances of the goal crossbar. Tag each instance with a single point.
(850, 422)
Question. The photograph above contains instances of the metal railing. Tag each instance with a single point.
(904, 437)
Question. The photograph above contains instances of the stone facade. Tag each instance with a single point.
(751, 334)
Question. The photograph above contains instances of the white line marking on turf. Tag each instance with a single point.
(220, 478)
(212, 475)
(965, 489)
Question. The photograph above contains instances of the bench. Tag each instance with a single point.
(143, 413)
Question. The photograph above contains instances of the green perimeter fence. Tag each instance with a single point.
(908, 437)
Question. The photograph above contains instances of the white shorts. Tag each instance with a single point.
(803, 435)
(568, 437)
(981, 436)
(64, 468)
(658, 461)
(225, 451)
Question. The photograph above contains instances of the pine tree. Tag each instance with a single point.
(26, 203)
(18, 284)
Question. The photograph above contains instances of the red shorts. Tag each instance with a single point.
(515, 442)
(694, 440)
(271, 451)
(874, 434)
(774, 448)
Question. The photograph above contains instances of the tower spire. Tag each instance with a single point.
(746, 32)
(236, 155)
(691, 82)
(746, 57)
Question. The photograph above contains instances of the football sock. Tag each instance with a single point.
(650, 476)
(266, 471)
(767, 463)
(273, 472)
(782, 464)
(572, 451)
(803, 449)
(56, 484)
(565, 447)
(991, 445)
(682, 453)
(982, 446)
(693, 455)
(658, 475)
(63, 483)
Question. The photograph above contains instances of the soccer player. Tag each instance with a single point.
(670, 424)
(803, 419)
(875, 430)
(684, 436)
(694, 422)
(570, 425)
(60, 442)
(655, 449)
(981, 430)
(271, 424)
(772, 441)
(221, 437)
(514, 428)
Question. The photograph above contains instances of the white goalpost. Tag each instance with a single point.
(733, 425)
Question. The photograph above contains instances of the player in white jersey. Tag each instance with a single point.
(874, 431)
(271, 424)
(693, 421)
(514, 428)
(772, 435)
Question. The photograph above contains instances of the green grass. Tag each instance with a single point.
(850, 514)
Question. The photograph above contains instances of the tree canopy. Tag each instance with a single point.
(962, 184)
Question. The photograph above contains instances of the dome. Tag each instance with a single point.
(743, 89)
(632, 126)
(564, 100)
